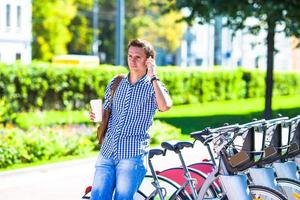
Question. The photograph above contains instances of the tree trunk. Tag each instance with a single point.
(270, 66)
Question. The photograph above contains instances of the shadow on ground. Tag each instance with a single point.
(190, 124)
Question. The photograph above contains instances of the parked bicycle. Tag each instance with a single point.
(276, 144)
(230, 165)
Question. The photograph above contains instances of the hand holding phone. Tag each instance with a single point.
(151, 67)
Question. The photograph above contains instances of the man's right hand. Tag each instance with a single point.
(92, 116)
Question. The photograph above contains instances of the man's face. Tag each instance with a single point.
(136, 59)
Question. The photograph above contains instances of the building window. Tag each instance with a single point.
(19, 16)
(18, 56)
(8, 15)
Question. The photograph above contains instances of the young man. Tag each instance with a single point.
(120, 167)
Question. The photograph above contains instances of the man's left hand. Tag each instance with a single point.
(151, 67)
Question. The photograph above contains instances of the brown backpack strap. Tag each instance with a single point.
(115, 85)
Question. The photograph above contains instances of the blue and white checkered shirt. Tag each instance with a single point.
(133, 109)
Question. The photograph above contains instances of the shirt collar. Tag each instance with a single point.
(143, 79)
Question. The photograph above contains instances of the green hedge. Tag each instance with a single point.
(26, 120)
(48, 87)
(194, 85)
(36, 144)
(18, 146)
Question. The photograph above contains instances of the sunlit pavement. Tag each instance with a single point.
(67, 180)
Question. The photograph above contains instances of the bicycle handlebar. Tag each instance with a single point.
(295, 118)
(225, 129)
(253, 124)
(207, 135)
(277, 120)
(292, 120)
(264, 124)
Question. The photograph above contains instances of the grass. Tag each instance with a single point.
(48, 118)
(189, 117)
(194, 117)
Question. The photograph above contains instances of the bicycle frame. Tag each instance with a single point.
(238, 182)
(286, 170)
(265, 175)
(234, 185)
(189, 181)
(159, 190)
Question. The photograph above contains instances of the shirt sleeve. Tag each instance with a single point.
(106, 104)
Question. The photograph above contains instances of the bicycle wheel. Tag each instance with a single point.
(176, 174)
(87, 193)
(289, 187)
(171, 188)
(264, 193)
(139, 196)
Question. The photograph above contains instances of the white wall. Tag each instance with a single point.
(14, 39)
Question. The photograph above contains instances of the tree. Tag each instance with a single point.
(60, 27)
(270, 15)
(163, 32)
(81, 28)
(50, 27)
(143, 18)
(65, 26)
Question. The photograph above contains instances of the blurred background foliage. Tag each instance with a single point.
(61, 27)
(39, 87)
(19, 146)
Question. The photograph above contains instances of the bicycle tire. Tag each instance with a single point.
(139, 196)
(265, 193)
(289, 187)
(176, 175)
(146, 188)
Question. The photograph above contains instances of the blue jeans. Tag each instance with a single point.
(119, 177)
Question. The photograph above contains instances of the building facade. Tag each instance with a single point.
(15, 31)
(238, 49)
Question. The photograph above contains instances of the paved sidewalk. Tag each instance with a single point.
(67, 180)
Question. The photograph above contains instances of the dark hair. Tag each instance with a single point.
(148, 48)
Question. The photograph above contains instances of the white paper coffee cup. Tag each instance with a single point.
(96, 105)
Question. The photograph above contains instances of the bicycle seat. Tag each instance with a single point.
(175, 145)
(153, 152)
